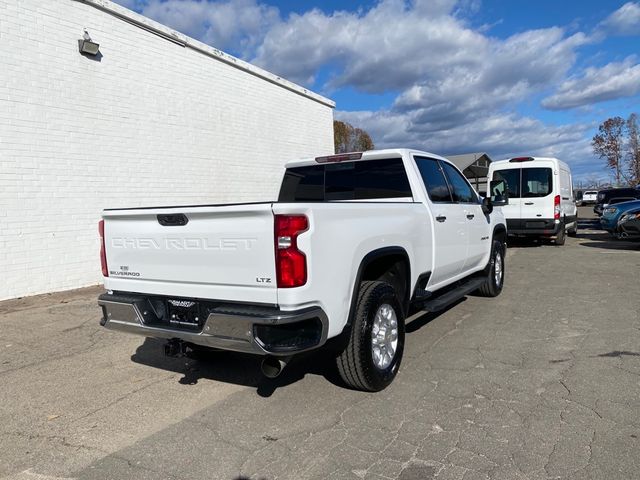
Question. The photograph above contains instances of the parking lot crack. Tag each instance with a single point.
(125, 396)
(61, 439)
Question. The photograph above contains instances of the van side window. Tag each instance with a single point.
(536, 182)
(511, 178)
(462, 191)
(434, 180)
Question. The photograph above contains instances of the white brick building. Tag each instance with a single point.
(159, 119)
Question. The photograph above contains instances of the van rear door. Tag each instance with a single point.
(537, 191)
(510, 173)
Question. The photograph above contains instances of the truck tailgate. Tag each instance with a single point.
(216, 252)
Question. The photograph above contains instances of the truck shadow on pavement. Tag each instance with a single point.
(244, 369)
(236, 368)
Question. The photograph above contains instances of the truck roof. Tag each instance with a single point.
(368, 155)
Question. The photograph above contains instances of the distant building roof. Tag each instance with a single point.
(473, 165)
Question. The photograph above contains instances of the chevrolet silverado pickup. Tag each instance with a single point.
(355, 243)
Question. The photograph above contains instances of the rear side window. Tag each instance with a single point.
(381, 179)
(512, 178)
(364, 180)
(536, 182)
(434, 180)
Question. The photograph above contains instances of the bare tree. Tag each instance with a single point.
(346, 138)
(608, 144)
(633, 148)
(592, 182)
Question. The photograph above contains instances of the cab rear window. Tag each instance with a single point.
(363, 180)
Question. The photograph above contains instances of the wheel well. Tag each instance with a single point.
(500, 233)
(393, 269)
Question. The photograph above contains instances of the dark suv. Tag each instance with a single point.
(605, 196)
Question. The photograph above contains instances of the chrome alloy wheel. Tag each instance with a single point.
(497, 268)
(384, 336)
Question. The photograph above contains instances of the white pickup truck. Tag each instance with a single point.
(354, 244)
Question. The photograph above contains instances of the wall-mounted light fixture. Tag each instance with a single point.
(87, 46)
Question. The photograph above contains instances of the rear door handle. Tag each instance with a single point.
(470, 216)
(528, 203)
(441, 218)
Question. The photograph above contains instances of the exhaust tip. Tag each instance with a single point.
(272, 366)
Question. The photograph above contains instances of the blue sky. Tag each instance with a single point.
(447, 76)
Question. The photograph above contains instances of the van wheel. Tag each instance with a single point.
(372, 356)
(561, 237)
(573, 232)
(495, 272)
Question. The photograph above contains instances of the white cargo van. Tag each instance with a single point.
(541, 202)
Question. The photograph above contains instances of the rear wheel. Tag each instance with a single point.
(495, 272)
(372, 356)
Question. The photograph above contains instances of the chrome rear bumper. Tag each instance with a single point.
(241, 328)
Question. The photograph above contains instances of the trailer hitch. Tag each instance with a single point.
(176, 348)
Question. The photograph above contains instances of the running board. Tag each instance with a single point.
(440, 302)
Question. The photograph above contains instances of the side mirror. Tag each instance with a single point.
(499, 193)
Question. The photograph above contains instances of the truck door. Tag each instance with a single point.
(449, 222)
(478, 224)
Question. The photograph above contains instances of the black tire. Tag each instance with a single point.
(493, 286)
(562, 236)
(356, 363)
(573, 232)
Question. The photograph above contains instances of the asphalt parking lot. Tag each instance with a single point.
(541, 382)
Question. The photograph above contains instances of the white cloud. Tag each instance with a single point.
(456, 86)
(501, 135)
(386, 47)
(614, 80)
(624, 21)
(235, 25)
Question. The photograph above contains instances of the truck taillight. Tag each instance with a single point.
(556, 207)
(291, 263)
(103, 252)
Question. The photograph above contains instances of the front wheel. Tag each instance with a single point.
(495, 272)
(372, 356)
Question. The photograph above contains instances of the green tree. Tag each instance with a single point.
(347, 138)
